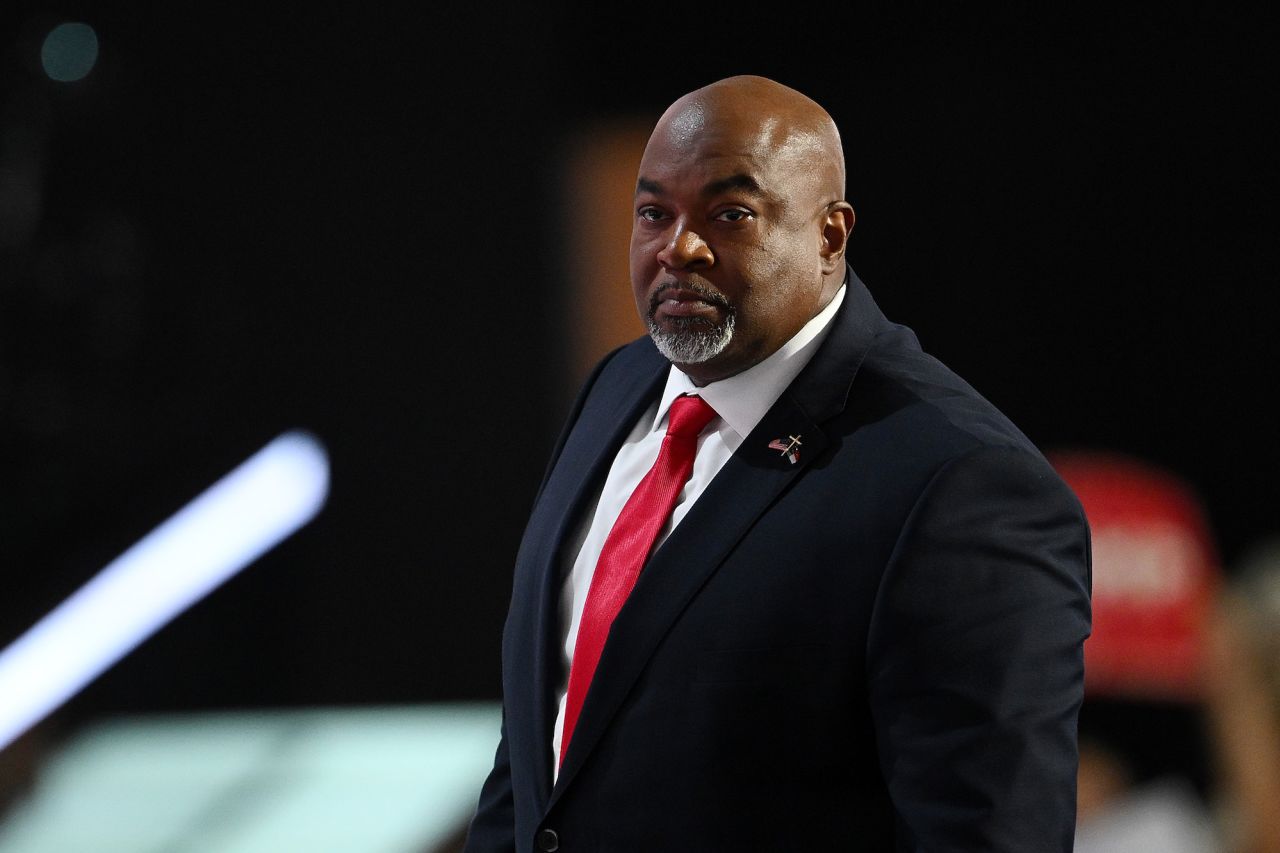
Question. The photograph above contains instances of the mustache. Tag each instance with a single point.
(704, 293)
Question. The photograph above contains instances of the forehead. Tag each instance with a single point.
(692, 152)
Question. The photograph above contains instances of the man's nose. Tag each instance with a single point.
(686, 251)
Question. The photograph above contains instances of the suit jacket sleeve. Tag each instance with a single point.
(493, 828)
(975, 658)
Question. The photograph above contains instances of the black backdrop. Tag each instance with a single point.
(353, 221)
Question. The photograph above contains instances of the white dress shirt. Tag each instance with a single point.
(740, 402)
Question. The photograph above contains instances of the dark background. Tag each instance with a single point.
(353, 221)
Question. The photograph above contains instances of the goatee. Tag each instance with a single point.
(691, 340)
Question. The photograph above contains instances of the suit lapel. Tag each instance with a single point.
(745, 487)
(606, 418)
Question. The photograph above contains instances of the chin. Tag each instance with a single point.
(692, 345)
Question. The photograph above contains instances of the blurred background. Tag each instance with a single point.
(405, 231)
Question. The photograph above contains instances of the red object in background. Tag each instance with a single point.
(1155, 572)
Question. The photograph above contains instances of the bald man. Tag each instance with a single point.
(790, 583)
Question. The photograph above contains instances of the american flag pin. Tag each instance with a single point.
(789, 449)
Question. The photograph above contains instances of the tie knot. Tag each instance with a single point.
(688, 416)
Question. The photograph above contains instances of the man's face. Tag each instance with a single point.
(725, 244)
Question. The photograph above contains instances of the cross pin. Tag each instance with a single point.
(790, 450)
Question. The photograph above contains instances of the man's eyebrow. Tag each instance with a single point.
(740, 181)
(644, 185)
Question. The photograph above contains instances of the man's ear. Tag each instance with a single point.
(836, 225)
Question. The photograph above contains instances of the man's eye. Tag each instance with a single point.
(733, 215)
(650, 214)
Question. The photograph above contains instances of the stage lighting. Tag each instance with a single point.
(232, 523)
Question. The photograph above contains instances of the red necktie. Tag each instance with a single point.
(628, 544)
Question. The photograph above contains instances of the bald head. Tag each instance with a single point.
(773, 120)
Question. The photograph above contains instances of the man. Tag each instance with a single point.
(789, 583)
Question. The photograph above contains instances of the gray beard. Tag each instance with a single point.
(693, 341)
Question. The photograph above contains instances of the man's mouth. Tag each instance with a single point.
(687, 301)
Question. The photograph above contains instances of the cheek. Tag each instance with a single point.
(782, 289)
(641, 277)
(768, 271)
(643, 251)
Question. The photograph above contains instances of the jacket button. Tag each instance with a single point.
(548, 841)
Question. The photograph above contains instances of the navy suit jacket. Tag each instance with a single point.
(878, 647)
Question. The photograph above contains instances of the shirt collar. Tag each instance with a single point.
(744, 398)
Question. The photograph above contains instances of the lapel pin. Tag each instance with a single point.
(790, 450)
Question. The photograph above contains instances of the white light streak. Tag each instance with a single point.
(232, 523)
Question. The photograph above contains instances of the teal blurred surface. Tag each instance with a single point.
(398, 779)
